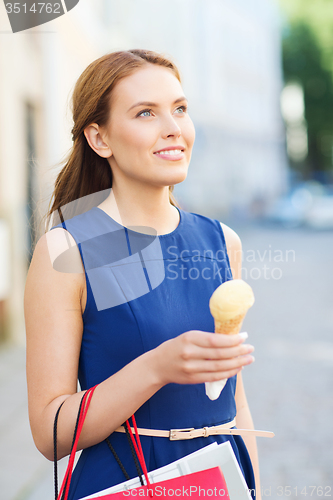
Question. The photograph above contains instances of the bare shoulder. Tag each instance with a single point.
(231, 237)
(58, 251)
(56, 270)
(234, 249)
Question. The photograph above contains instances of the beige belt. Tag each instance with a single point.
(176, 434)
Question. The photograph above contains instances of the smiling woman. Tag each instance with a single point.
(100, 306)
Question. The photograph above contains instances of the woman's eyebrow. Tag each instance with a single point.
(148, 103)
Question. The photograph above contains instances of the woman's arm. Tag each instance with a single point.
(54, 302)
(243, 415)
(244, 421)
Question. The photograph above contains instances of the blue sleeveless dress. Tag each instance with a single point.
(142, 290)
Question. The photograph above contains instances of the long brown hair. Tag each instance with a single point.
(85, 172)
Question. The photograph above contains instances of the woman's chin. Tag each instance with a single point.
(178, 180)
(177, 177)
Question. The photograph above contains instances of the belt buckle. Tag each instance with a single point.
(186, 431)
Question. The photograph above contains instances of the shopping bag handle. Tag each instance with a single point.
(84, 405)
(83, 409)
(138, 449)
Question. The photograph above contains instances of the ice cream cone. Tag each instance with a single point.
(228, 305)
(230, 326)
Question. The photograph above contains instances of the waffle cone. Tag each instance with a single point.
(229, 326)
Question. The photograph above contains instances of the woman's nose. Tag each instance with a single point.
(171, 127)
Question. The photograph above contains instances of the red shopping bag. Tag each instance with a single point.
(205, 483)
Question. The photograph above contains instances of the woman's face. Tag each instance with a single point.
(149, 115)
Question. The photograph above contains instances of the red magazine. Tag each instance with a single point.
(198, 485)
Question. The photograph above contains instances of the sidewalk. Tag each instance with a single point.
(24, 473)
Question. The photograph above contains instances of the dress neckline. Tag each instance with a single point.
(143, 234)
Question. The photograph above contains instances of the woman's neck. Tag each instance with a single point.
(149, 208)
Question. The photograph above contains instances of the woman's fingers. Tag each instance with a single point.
(217, 365)
(216, 376)
(207, 339)
(203, 345)
(218, 353)
(211, 370)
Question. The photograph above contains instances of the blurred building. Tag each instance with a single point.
(38, 68)
(229, 56)
(229, 53)
(21, 97)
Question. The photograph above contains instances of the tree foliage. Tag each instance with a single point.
(307, 59)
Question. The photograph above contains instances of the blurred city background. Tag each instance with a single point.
(258, 75)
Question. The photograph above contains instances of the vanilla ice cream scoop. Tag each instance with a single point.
(228, 305)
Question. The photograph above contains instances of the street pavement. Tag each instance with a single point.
(289, 387)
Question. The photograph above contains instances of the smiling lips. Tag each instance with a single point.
(172, 153)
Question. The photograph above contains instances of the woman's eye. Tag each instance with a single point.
(183, 108)
(142, 113)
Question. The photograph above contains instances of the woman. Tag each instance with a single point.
(146, 339)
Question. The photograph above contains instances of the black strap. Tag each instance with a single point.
(137, 465)
(114, 453)
(55, 458)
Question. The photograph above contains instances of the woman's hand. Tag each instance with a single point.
(196, 357)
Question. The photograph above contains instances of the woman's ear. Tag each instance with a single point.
(96, 142)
